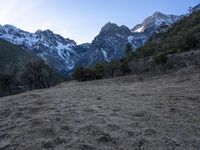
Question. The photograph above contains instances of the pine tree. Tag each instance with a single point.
(129, 52)
(99, 71)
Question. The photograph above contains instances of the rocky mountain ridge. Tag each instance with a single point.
(111, 42)
(54, 49)
(64, 54)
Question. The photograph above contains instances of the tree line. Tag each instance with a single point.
(36, 75)
(108, 69)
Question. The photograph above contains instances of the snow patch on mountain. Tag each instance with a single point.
(141, 29)
(105, 55)
(130, 39)
(57, 51)
(64, 54)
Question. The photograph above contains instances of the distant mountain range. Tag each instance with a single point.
(64, 55)
(57, 51)
(111, 42)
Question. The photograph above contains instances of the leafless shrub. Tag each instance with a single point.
(38, 74)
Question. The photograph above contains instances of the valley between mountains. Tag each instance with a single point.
(64, 55)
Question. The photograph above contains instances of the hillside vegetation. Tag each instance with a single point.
(12, 57)
(126, 113)
(183, 36)
(21, 71)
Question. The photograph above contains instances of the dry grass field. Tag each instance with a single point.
(126, 113)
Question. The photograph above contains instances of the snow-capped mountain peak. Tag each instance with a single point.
(11, 27)
(54, 49)
(155, 21)
(64, 54)
(111, 42)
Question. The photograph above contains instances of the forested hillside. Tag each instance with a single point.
(21, 71)
(183, 36)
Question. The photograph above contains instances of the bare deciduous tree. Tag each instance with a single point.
(38, 75)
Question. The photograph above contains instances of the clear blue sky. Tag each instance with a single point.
(81, 20)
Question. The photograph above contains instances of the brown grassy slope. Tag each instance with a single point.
(122, 113)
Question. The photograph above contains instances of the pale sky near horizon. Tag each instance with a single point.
(81, 20)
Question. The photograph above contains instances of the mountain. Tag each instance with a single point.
(196, 8)
(183, 36)
(152, 23)
(64, 55)
(82, 49)
(54, 49)
(111, 42)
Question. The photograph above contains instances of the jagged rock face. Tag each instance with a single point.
(64, 54)
(158, 22)
(82, 49)
(54, 49)
(152, 23)
(111, 42)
